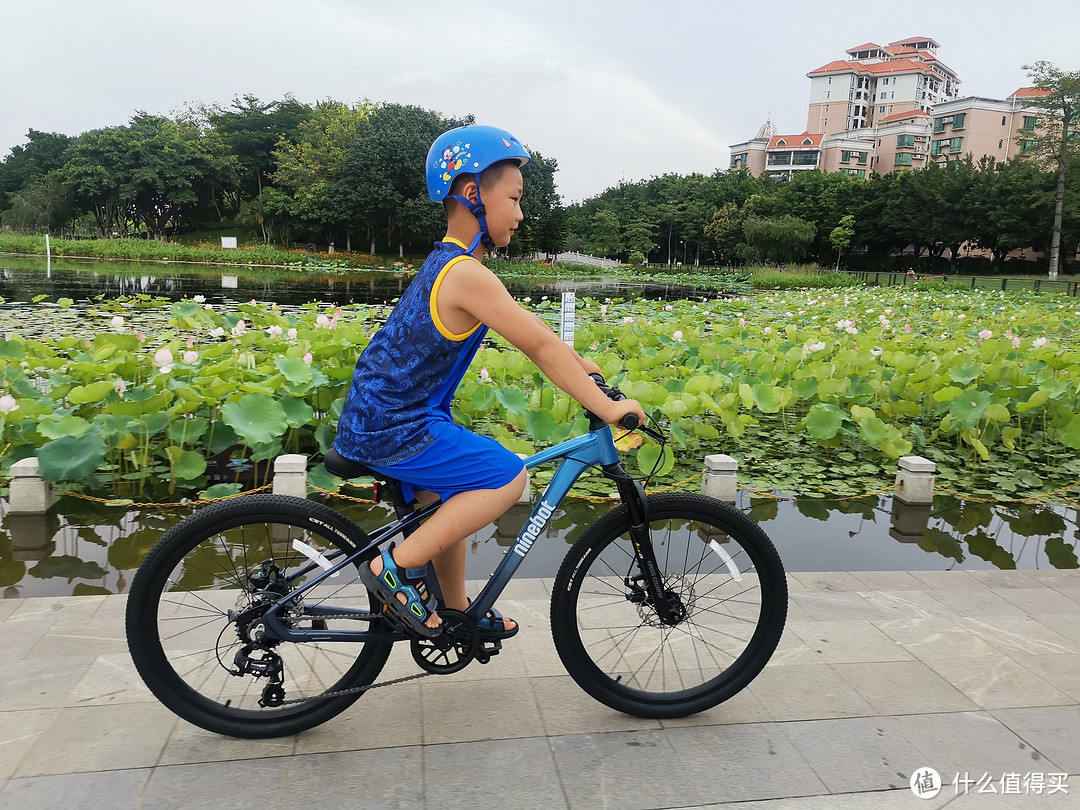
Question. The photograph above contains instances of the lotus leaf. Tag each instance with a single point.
(56, 426)
(258, 419)
(71, 458)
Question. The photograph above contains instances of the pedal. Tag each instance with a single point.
(488, 649)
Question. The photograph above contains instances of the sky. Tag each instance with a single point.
(613, 91)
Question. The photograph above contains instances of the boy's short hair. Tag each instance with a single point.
(488, 177)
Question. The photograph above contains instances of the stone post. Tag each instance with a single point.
(29, 493)
(915, 480)
(721, 479)
(290, 475)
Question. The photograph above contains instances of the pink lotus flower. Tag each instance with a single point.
(767, 330)
(191, 343)
(484, 375)
(117, 323)
(239, 329)
(8, 404)
(163, 359)
(308, 358)
(292, 334)
(1016, 342)
(120, 387)
(1038, 343)
(677, 334)
(985, 334)
(274, 331)
(191, 358)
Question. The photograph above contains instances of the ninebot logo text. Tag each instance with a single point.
(532, 528)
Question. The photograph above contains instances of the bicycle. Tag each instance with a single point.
(243, 618)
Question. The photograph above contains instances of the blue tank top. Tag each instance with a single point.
(406, 377)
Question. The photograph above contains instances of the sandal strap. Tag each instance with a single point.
(409, 581)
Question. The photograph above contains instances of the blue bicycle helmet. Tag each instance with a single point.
(469, 149)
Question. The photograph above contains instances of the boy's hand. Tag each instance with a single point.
(617, 410)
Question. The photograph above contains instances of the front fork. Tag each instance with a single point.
(633, 495)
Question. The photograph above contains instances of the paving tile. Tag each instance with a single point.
(111, 790)
(745, 707)
(982, 603)
(479, 710)
(948, 580)
(967, 742)
(906, 604)
(904, 687)
(524, 588)
(1060, 671)
(848, 642)
(631, 770)
(1039, 601)
(828, 606)
(888, 581)
(1053, 731)
(567, 709)
(375, 779)
(854, 754)
(836, 581)
(1020, 637)
(998, 683)
(19, 730)
(492, 774)
(1002, 579)
(110, 679)
(1067, 624)
(807, 692)
(933, 638)
(234, 785)
(738, 763)
(188, 744)
(792, 650)
(98, 738)
(33, 683)
(8, 606)
(363, 725)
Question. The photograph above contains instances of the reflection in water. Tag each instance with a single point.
(81, 548)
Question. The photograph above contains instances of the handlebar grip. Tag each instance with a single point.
(630, 421)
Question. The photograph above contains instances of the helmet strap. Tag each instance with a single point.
(478, 211)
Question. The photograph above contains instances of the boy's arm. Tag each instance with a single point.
(471, 288)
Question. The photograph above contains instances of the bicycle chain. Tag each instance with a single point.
(355, 689)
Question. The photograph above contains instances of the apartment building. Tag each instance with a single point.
(887, 108)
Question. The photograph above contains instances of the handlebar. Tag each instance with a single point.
(630, 421)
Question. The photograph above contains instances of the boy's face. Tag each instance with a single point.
(503, 205)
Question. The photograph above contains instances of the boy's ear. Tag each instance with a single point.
(470, 191)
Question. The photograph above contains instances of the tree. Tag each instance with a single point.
(43, 204)
(840, 236)
(604, 233)
(43, 153)
(780, 239)
(1061, 104)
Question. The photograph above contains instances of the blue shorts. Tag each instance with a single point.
(456, 461)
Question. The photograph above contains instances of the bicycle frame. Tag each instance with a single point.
(595, 448)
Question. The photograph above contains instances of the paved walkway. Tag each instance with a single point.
(878, 675)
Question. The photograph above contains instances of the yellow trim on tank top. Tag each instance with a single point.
(446, 333)
(454, 241)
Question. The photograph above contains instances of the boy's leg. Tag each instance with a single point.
(441, 538)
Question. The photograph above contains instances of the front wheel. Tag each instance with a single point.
(195, 607)
(725, 580)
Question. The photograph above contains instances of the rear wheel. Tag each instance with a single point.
(194, 610)
(723, 576)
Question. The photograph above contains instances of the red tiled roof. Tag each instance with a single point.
(796, 141)
(838, 66)
(1029, 92)
(899, 66)
(900, 116)
(869, 46)
(910, 40)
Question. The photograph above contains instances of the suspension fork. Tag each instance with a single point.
(633, 495)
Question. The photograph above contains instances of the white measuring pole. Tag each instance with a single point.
(48, 258)
(569, 307)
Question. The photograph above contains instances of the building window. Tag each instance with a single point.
(806, 159)
(780, 159)
(905, 140)
(954, 144)
(881, 109)
(1029, 123)
(781, 142)
(738, 160)
(845, 156)
(903, 158)
(939, 124)
(935, 147)
(958, 121)
(1027, 147)
(1001, 143)
(862, 158)
(1003, 120)
(826, 94)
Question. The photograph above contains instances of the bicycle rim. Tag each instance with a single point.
(196, 603)
(716, 565)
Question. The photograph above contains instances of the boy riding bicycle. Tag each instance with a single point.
(396, 418)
